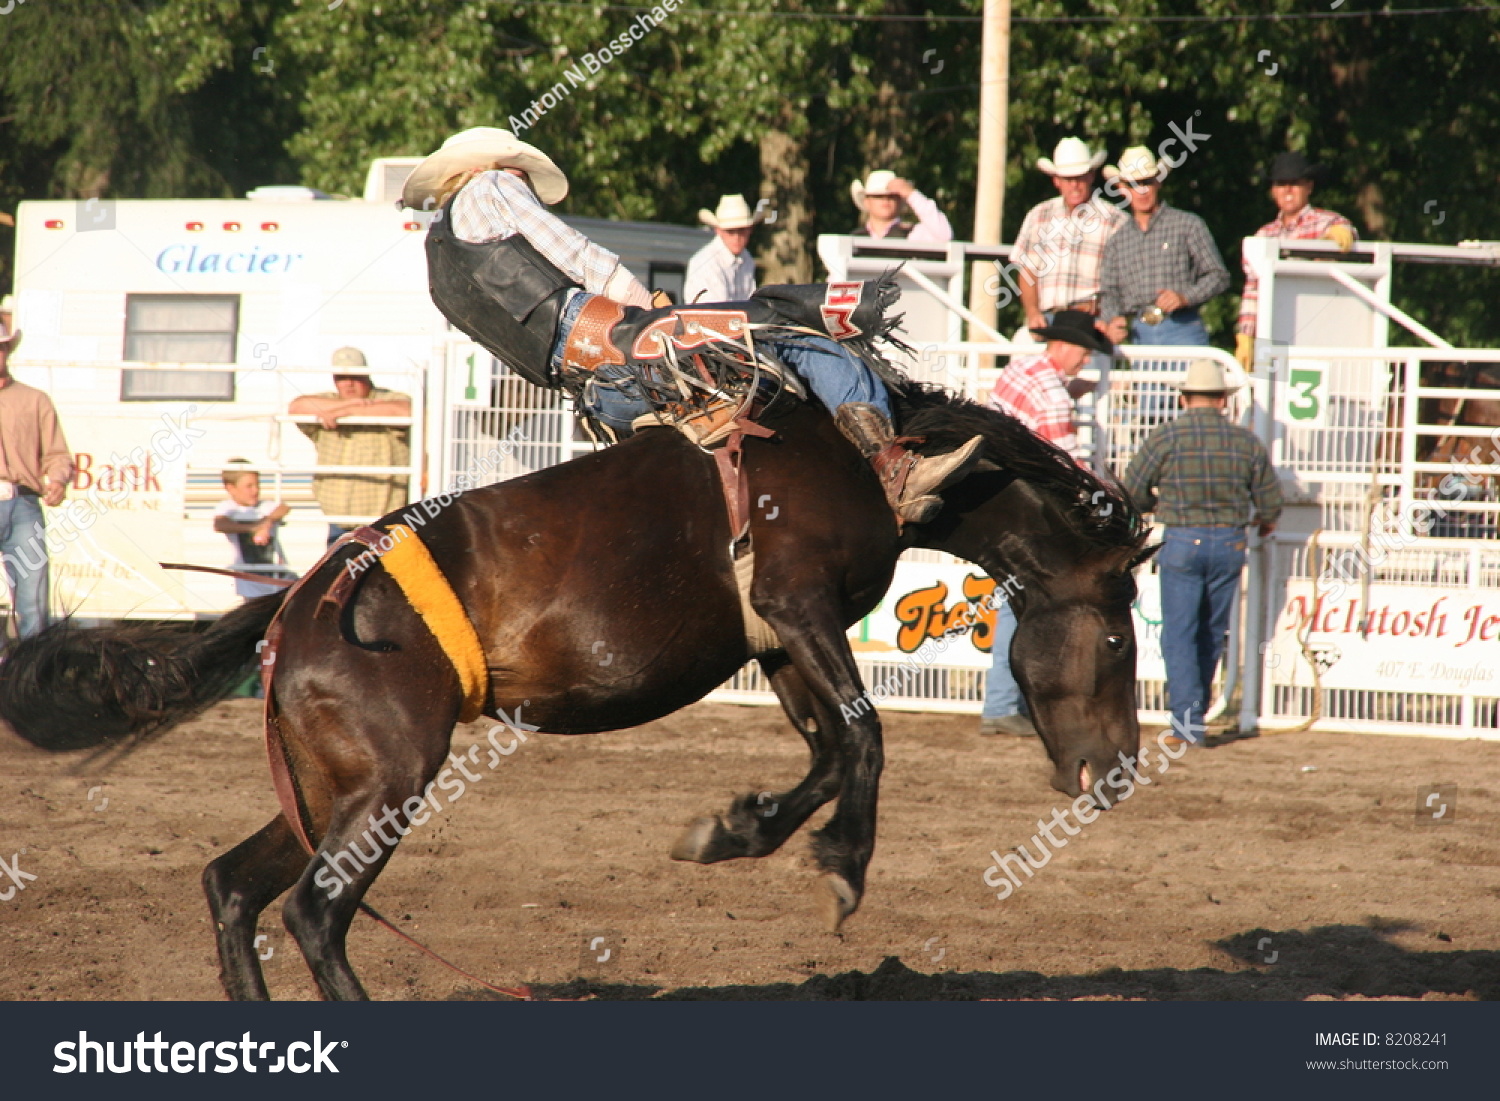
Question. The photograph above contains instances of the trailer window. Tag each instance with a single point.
(180, 328)
(669, 278)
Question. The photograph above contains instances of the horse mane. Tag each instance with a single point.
(1100, 511)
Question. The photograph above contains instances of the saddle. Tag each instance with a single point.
(707, 370)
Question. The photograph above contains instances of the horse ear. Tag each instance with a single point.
(1141, 557)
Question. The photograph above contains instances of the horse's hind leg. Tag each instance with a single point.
(759, 824)
(360, 839)
(240, 884)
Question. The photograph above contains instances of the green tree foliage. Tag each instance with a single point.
(788, 100)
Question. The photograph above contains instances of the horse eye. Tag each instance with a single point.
(1115, 642)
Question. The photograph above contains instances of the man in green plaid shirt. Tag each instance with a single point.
(1201, 476)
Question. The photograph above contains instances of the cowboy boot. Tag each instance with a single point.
(911, 481)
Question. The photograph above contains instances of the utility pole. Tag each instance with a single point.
(994, 102)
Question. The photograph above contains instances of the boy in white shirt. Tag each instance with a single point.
(251, 528)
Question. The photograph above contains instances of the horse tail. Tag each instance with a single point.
(72, 688)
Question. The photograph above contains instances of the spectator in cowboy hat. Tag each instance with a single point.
(1292, 177)
(1160, 266)
(35, 467)
(1037, 390)
(356, 498)
(1206, 480)
(1061, 241)
(723, 270)
(880, 198)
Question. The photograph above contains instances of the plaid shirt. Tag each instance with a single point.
(1063, 251)
(496, 204)
(1175, 253)
(1310, 223)
(1200, 471)
(365, 495)
(1035, 392)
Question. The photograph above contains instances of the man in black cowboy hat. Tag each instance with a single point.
(1037, 390)
(1292, 179)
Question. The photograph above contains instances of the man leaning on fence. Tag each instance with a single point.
(363, 496)
(1292, 180)
(1202, 476)
(1160, 266)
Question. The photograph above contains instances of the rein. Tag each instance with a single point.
(238, 575)
(520, 993)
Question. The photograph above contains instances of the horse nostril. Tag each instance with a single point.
(1084, 776)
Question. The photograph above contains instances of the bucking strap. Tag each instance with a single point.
(407, 559)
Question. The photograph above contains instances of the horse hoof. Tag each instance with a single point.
(836, 901)
(702, 843)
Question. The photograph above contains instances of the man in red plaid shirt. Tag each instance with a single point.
(1292, 178)
(1038, 391)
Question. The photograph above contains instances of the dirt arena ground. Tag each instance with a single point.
(1288, 866)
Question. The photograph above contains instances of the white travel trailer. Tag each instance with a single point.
(172, 334)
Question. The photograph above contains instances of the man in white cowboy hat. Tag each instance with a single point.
(1038, 391)
(1160, 266)
(1292, 177)
(1061, 241)
(723, 270)
(356, 498)
(879, 199)
(518, 280)
(35, 467)
(1207, 480)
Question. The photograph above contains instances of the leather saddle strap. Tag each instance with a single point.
(736, 488)
(281, 775)
(730, 462)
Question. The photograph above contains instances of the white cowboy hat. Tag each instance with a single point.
(1205, 376)
(878, 183)
(732, 213)
(9, 337)
(1071, 158)
(1137, 163)
(350, 362)
(483, 146)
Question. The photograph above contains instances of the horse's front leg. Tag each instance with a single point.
(817, 646)
(757, 824)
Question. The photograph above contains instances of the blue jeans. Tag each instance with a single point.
(1200, 580)
(25, 556)
(1182, 327)
(1002, 695)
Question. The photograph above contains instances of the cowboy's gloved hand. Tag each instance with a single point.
(1244, 349)
(1342, 236)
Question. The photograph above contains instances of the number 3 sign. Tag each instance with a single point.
(1304, 399)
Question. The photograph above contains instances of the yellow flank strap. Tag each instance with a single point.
(428, 591)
